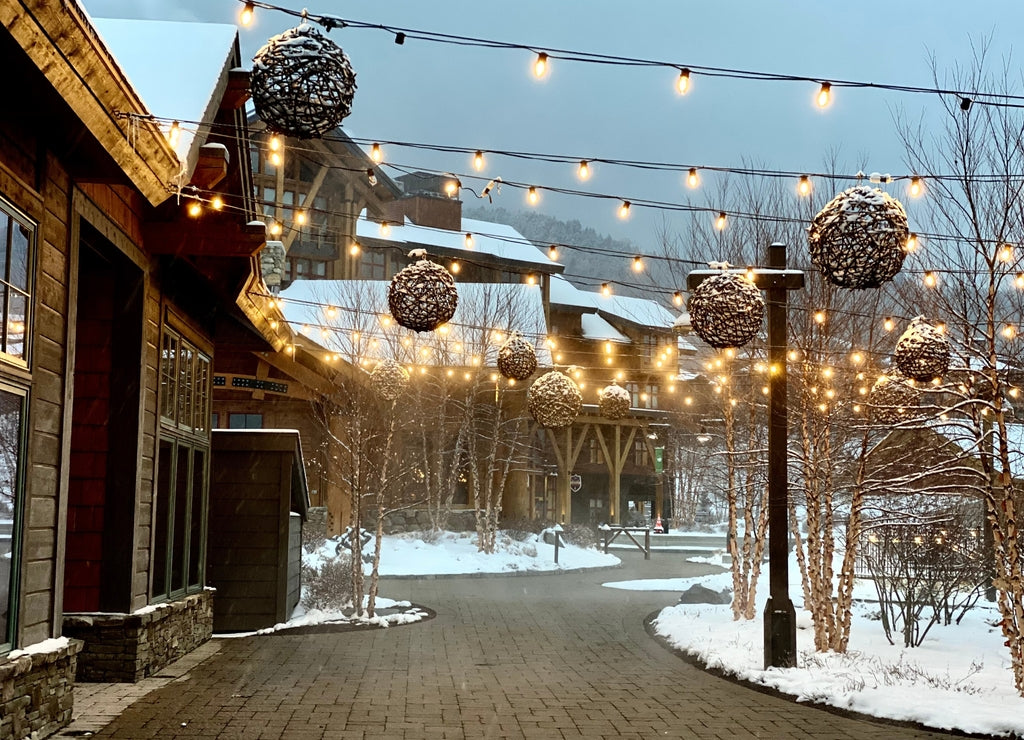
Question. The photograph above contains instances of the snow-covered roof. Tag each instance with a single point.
(596, 328)
(496, 240)
(174, 66)
(351, 318)
(685, 346)
(962, 433)
(640, 311)
(564, 293)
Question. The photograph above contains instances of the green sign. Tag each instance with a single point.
(659, 459)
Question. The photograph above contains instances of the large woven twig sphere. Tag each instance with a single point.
(302, 83)
(422, 296)
(554, 400)
(726, 310)
(859, 239)
(893, 398)
(614, 401)
(922, 352)
(517, 358)
(389, 379)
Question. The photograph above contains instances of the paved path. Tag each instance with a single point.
(551, 656)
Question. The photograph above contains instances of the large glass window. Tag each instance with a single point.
(12, 448)
(373, 265)
(16, 241)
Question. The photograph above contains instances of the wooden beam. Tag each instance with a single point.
(309, 197)
(204, 237)
(212, 166)
(301, 373)
(237, 92)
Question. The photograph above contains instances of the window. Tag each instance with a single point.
(596, 453)
(320, 268)
(245, 421)
(640, 456)
(12, 453)
(634, 394)
(16, 241)
(373, 265)
(180, 509)
(651, 393)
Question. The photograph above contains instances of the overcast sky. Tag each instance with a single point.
(488, 99)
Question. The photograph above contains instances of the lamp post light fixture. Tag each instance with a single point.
(779, 614)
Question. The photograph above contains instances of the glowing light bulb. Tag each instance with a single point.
(478, 160)
(677, 298)
(911, 244)
(1009, 331)
(451, 188)
(194, 209)
(720, 221)
(683, 81)
(889, 324)
(693, 179)
(638, 264)
(1006, 253)
(624, 209)
(331, 312)
(469, 240)
(1019, 280)
(930, 280)
(275, 159)
(174, 134)
(916, 187)
(354, 249)
(216, 203)
(454, 268)
(532, 196)
(584, 169)
(819, 317)
(606, 289)
(276, 228)
(531, 279)
(540, 66)
(856, 358)
(245, 17)
(376, 154)
(803, 187)
(553, 253)
(824, 95)
(385, 228)
(274, 143)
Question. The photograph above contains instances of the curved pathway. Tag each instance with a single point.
(548, 656)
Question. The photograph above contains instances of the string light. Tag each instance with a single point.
(720, 221)
(274, 143)
(1019, 280)
(803, 188)
(889, 324)
(195, 209)
(376, 154)
(245, 17)
(624, 209)
(276, 228)
(174, 134)
(677, 298)
(584, 169)
(638, 264)
(451, 187)
(693, 179)
(385, 228)
(911, 244)
(819, 317)
(824, 98)
(1009, 331)
(1006, 253)
(216, 203)
(371, 177)
(300, 218)
(469, 240)
(532, 196)
(540, 66)
(275, 158)
(930, 280)
(683, 81)
(916, 187)
(606, 289)
(531, 279)
(354, 249)
(454, 268)
(553, 253)
(478, 160)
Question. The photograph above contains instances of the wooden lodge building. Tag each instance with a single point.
(119, 307)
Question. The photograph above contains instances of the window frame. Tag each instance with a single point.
(16, 216)
(17, 518)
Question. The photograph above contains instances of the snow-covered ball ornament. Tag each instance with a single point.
(859, 239)
(389, 379)
(517, 359)
(614, 401)
(422, 296)
(922, 352)
(302, 83)
(726, 310)
(893, 398)
(554, 400)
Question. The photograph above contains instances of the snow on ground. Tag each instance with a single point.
(958, 679)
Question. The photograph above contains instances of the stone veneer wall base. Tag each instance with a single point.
(37, 691)
(125, 648)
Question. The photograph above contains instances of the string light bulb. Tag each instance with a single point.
(638, 264)
(385, 228)
(478, 160)
(195, 208)
(376, 154)
(1009, 331)
(606, 289)
(275, 158)
(584, 169)
(720, 221)
(677, 298)
(803, 188)
(1019, 280)
(274, 142)
(624, 209)
(354, 249)
(916, 187)
(276, 228)
(1006, 253)
(693, 179)
(216, 203)
(824, 98)
(889, 324)
(174, 134)
(531, 279)
(451, 187)
(819, 317)
(469, 240)
(683, 81)
(245, 17)
(532, 196)
(930, 280)
(540, 66)
(553, 253)
(300, 218)
(911, 243)
(454, 268)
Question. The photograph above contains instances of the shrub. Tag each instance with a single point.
(329, 586)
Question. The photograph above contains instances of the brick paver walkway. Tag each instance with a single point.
(551, 656)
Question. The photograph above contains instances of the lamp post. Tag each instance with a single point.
(779, 614)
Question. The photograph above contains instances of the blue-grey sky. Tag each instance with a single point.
(488, 99)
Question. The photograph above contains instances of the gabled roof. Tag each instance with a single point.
(640, 311)
(564, 293)
(495, 240)
(596, 328)
(358, 326)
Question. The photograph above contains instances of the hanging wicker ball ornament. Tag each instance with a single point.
(859, 239)
(389, 379)
(302, 83)
(554, 400)
(517, 358)
(422, 296)
(893, 398)
(614, 401)
(726, 310)
(922, 352)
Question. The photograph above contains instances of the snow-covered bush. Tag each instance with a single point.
(327, 582)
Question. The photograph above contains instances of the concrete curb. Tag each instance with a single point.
(502, 574)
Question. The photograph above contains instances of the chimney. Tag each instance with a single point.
(426, 202)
